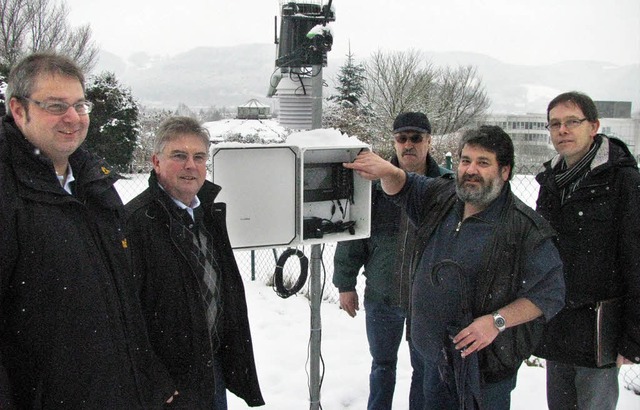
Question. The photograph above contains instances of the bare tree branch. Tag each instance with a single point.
(29, 26)
(407, 81)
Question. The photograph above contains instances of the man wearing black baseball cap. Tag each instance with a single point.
(412, 134)
(385, 257)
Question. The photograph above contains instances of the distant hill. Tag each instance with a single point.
(229, 76)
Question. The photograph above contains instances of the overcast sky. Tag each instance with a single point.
(513, 31)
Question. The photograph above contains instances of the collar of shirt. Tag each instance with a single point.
(189, 208)
(67, 183)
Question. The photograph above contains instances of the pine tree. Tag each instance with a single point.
(351, 79)
(114, 123)
(346, 111)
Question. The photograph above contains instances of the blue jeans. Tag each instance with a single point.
(220, 397)
(385, 331)
(497, 396)
(584, 388)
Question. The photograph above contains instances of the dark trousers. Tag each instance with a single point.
(220, 398)
(584, 388)
(497, 396)
(385, 331)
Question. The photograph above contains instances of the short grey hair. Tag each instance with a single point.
(174, 127)
(23, 76)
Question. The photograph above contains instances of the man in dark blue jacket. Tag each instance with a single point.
(191, 290)
(385, 257)
(485, 269)
(590, 193)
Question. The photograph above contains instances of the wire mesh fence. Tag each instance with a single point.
(260, 265)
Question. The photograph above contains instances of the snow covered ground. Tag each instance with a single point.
(281, 328)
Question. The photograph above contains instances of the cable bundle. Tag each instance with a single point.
(278, 279)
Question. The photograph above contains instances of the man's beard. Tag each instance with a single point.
(478, 195)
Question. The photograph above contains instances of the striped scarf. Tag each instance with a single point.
(568, 179)
(207, 270)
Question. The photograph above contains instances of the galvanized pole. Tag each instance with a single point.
(315, 290)
(316, 86)
(315, 281)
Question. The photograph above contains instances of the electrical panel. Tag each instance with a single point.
(290, 194)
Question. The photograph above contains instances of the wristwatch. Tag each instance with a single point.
(499, 322)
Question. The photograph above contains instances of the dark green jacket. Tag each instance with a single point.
(385, 255)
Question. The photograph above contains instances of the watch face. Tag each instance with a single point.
(499, 321)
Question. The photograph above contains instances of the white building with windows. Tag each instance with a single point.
(532, 141)
(625, 129)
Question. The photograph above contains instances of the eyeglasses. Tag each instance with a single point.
(183, 157)
(60, 108)
(569, 124)
(415, 138)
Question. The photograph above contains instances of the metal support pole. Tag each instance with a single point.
(253, 266)
(315, 281)
(316, 86)
(315, 295)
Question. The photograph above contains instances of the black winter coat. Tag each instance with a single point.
(172, 301)
(599, 242)
(71, 330)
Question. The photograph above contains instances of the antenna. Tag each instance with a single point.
(305, 39)
(275, 29)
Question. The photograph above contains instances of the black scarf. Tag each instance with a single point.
(568, 179)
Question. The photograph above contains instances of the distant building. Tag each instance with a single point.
(616, 121)
(253, 110)
(532, 142)
(614, 109)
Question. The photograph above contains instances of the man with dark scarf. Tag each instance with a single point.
(590, 193)
(191, 291)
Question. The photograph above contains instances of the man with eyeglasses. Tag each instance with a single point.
(188, 280)
(485, 271)
(72, 333)
(590, 192)
(385, 257)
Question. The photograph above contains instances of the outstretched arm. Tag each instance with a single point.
(371, 166)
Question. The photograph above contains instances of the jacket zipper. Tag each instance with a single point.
(405, 250)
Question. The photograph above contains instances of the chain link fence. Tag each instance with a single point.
(260, 265)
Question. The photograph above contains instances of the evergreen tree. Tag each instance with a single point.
(346, 110)
(351, 79)
(114, 121)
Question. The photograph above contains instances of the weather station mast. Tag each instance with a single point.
(305, 38)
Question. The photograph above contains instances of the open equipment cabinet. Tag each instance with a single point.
(289, 195)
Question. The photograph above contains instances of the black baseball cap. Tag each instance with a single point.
(411, 121)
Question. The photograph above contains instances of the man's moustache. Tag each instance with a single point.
(472, 178)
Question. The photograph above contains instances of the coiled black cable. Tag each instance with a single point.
(278, 279)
